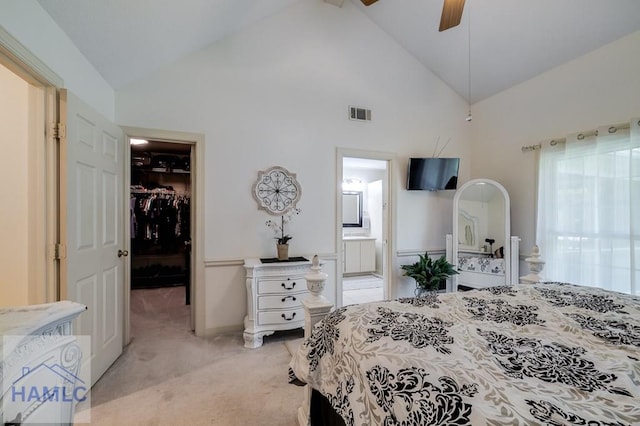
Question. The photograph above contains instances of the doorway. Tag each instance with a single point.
(29, 228)
(160, 233)
(18, 255)
(363, 227)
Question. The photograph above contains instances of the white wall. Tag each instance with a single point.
(602, 87)
(277, 94)
(14, 173)
(32, 26)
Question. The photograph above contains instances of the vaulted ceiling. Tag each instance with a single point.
(502, 42)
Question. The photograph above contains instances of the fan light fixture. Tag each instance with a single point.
(451, 12)
(469, 116)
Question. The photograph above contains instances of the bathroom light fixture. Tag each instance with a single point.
(352, 184)
(133, 141)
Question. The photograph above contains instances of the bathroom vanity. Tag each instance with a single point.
(359, 254)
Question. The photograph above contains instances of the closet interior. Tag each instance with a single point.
(160, 215)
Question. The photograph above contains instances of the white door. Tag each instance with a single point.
(94, 270)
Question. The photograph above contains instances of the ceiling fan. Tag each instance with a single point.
(451, 12)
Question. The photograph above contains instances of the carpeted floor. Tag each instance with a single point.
(168, 376)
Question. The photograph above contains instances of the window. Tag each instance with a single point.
(589, 209)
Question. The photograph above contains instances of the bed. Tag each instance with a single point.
(549, 353)
(480, 271)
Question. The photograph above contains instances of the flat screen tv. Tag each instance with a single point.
(432, 174)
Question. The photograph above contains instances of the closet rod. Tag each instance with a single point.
(160, 192)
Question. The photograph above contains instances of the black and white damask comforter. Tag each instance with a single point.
(549, 354)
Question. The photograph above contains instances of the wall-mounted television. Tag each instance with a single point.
(432, 174)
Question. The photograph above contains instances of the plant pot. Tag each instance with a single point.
(283, 251)
(440, 288)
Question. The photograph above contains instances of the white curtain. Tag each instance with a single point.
(588, 216)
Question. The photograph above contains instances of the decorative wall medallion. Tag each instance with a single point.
(277, 191)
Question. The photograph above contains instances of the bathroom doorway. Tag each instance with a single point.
(363, 227)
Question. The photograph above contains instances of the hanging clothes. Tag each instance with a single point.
(159, 218)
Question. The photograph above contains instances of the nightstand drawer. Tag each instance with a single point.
(284, 301)
(282, 286)
(281, 317)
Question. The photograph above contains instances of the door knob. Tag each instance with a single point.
(124, 253)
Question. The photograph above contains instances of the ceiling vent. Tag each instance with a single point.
(359, 114)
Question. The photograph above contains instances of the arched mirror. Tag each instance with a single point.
(482, 246)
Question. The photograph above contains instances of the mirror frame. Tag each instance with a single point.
(357, 222)
(506, 243)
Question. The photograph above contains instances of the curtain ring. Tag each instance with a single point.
(612, 129)
(580, 137)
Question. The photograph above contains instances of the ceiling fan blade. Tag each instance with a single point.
(451, 14)
(368, 2)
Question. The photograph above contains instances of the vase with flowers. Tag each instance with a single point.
(281, 237)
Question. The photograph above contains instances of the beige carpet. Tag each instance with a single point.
(293, 344)
(168, 376)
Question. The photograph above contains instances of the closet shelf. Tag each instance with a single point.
(162, 171)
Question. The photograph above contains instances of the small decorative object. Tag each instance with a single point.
(277, 191)
(283, 251)
(490, 241)
(430, 275)
(536, 264)
(282, 238)
(315, 281)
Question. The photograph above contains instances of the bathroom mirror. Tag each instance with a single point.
(482, 226)
(352, 209)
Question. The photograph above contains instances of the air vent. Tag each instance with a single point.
(359, 114)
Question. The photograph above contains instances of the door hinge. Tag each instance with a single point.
(58, 251)
(58, 130)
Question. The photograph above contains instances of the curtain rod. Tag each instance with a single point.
(553, 142)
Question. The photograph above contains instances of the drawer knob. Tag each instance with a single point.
(293, 298)
(293, 284)
(293, 315)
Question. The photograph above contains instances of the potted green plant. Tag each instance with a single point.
(429, 274)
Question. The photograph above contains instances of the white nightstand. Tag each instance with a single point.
(274, 298)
